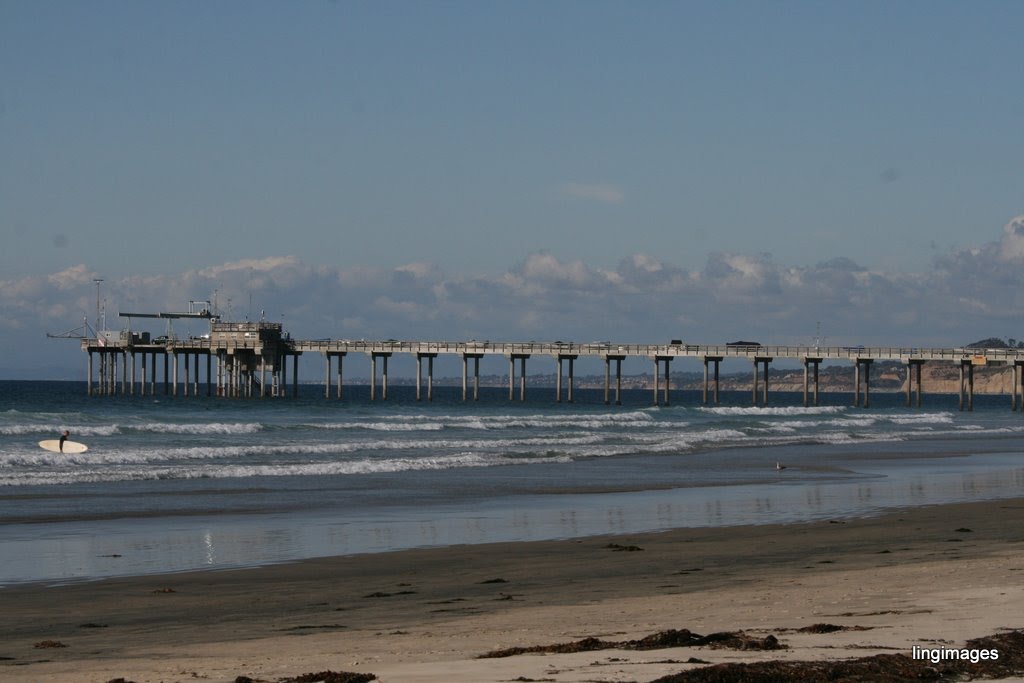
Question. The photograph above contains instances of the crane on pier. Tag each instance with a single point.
(196, 310)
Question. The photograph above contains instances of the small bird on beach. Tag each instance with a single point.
(779, 466)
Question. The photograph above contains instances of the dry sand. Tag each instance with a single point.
(925, 576)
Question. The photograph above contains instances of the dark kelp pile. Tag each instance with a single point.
(883, 668)
(736, 640)
(886, 668)
(320, 677)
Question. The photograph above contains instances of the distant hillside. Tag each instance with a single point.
(996, 343)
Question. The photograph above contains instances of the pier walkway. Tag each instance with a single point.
(252, 360)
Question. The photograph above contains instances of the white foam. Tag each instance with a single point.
(198, 428)
(776, 411)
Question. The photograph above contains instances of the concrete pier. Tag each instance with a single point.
(252, 360)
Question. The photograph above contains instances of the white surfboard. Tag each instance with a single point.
(69, 446)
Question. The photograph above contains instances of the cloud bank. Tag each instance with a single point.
(965, 295)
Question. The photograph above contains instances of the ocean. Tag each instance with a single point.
(174, 484)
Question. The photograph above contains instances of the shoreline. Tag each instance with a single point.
(915, 576)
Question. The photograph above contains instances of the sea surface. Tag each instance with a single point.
(175, 483)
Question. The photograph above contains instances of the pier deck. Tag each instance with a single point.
(247, 352)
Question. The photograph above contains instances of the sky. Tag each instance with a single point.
(631, 171)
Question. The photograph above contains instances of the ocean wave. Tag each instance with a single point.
(770, 410)
(197, 428)
(55, 431)
(923, 418)
(411, 423)
(242, 471)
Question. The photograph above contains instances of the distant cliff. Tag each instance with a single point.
(936, 378)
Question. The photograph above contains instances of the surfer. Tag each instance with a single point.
(63, 438)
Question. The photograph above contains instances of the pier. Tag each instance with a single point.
(252, 360)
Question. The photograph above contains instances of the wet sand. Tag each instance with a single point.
(925, 576)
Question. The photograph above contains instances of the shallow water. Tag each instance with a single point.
(172, 484)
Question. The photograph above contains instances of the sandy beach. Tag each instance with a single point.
(925, 577)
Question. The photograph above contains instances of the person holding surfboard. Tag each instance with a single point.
(64, 445)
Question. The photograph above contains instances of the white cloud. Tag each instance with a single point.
(1011, 246)
(965, 295)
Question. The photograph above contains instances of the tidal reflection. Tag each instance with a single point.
(120, 547)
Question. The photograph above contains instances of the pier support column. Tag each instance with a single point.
(864, 363)
(764, 397)
(430, 377)
(476, 378)
(756, 369)
(476, 375)
(419, 377)
(1018, 383)
(808, 362)
(967, 373)
(619, 378)
(341, 361)
(657, 381)
(668, 378)
(607, 377)
(558, 381)
(1013, 391)
(185, 384)
(764, 391)
(374, 355)
(715, 360)
(856, 384)
(88, 375)
(327, 375)
(558, 378)
(704, 389)
(522, 377)
(209, 374)
(914, 368)
(174, 382)
(295, 377)
(572, 360)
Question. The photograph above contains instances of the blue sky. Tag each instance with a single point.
(505, 169)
